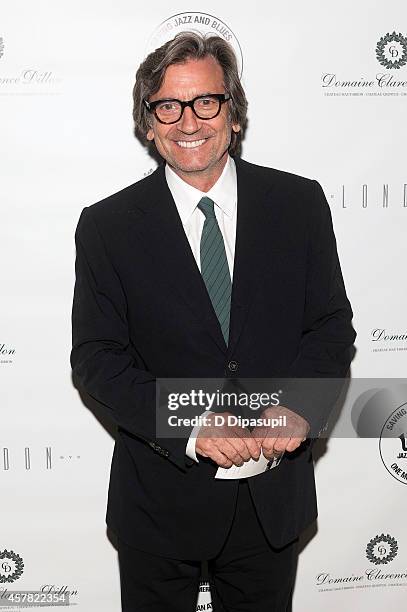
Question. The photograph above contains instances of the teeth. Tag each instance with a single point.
(190, 145)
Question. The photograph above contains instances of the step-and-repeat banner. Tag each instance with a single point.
(327, 91)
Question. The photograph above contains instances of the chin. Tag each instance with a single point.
(195, 162)
(192, 166)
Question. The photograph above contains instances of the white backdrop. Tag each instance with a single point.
(66, 140)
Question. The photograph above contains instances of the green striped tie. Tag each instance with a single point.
(214, 266)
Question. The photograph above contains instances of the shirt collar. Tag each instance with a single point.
(186, 197)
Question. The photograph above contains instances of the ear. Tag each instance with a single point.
(150, 134)
(236, 127)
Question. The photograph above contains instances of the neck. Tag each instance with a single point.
(203, 180)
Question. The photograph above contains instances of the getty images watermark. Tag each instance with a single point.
(216, 404)
(209, 399)
(225, 400)
(333, 407)
(231, 420)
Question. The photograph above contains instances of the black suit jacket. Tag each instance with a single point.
(141, 311)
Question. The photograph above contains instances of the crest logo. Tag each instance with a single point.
(11, 566)
(391, 50)
(382, 549)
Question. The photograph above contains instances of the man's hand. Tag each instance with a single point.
(275, 440)
(226, 445)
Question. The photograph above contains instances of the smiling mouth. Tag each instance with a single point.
(190, 144)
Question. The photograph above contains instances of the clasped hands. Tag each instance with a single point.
(229, 445)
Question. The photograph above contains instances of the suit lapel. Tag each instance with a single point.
(160, 228)
(165, 240)
(252, 238)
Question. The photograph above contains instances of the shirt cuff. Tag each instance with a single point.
(190, 449)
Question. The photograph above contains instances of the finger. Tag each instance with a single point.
(208, 446)
(260, 432)
(271, 455)
(259, 436)
(253, 447)
(228, 448)
(220, 459)
(293, 444)
(268, 447)
(281, 444)
(240, 446)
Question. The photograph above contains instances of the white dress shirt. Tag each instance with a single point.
(186, 198)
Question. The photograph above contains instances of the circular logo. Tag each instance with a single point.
(11, 566)
(391, 50)
(194, 22)
(382, 549)
(393, 444)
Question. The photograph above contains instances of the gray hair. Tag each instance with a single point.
(185, 46)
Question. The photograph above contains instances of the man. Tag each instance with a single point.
(210, 267)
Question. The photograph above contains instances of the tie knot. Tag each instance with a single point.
(207, 206)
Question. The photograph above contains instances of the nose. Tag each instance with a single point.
(189, 121)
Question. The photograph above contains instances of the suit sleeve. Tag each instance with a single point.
(104, 362)
(326, 347)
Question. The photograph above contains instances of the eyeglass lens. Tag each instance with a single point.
(204, 108)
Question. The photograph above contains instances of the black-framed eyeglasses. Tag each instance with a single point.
(170, 110)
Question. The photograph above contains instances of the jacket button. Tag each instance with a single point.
(233, 365)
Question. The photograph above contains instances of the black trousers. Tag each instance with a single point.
(247, 575)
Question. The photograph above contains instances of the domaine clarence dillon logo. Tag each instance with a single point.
(11, 566)
(381, 549)
(18, 79)
(384, 340)
(391, 53)
(7, 353)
